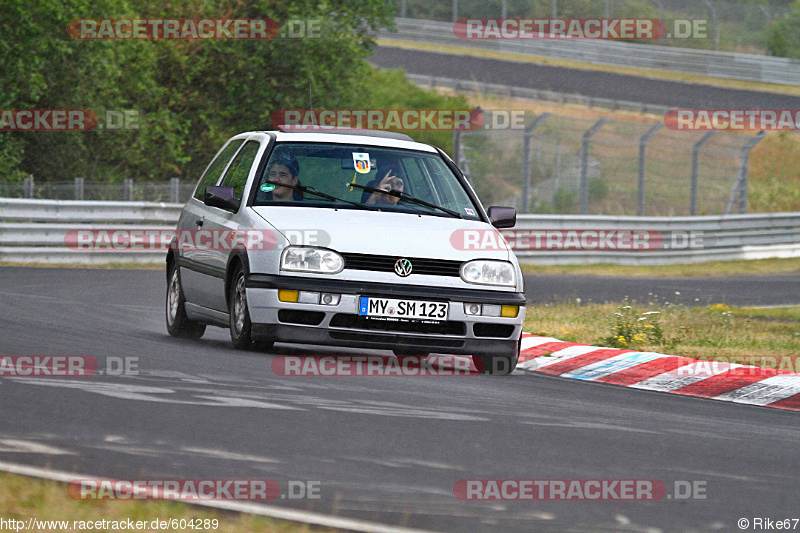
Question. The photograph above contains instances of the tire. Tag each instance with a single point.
(178, 324)
(262, 345)
(497, 365)
(240, 325)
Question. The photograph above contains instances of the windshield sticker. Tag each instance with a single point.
(361, 162)
(469, 211)
(268, 187)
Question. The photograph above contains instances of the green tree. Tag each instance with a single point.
(783, 38)
(192, 94)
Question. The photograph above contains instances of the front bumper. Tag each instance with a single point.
(340, 325)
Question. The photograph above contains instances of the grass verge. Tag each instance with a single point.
(706, 269)
(714, 332)
(22, 498)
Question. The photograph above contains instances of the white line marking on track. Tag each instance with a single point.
(229, 456)
(27, 446)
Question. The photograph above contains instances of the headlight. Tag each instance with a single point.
(308, 259)
(486, 272)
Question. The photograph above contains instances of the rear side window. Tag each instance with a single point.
(236, 176)
(214, 170)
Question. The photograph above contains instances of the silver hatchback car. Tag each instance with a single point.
(353, 238)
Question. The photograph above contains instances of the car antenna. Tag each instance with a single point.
(311, 105)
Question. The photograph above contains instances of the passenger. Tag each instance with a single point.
(389, 181)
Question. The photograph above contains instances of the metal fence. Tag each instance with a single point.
(567, 165)
(729, 65)
(128, 190)
(36, 231)
(730, 25)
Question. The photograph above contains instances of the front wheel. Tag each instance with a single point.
(240, 324)
(498, 365)
(178, 324)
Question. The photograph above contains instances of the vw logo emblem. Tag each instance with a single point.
(402, 267)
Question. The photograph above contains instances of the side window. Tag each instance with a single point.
(214, 170)
(236, 176)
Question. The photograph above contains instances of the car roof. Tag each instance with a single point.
(339, 130)
(361, 137)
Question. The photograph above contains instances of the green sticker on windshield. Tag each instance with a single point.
(267, 187)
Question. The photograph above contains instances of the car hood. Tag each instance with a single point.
(386, 233)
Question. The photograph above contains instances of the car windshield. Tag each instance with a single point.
(331, 169)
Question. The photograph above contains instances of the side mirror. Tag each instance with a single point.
(502, 217)
(222, 197)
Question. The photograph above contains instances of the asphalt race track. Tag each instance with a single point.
(576, 81)
(383, 449)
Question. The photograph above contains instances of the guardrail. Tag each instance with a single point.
(729, 65)
(654, 240)
(28, 234)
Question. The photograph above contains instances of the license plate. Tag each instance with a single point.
(413, 309)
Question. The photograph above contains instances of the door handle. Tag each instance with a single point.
(199, 222)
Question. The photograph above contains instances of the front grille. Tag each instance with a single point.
(431, 343)
(385, 263)
(342, 320)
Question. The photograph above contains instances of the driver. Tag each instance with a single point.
(283, 170)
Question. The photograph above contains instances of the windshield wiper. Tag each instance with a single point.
(404, 196)
(312, 190)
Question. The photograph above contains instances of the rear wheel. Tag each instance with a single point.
(178, 324)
